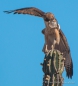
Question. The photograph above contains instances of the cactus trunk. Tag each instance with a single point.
(53, 67)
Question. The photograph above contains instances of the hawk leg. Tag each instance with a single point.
(45, 49)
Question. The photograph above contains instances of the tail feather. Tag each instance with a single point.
(68, 66)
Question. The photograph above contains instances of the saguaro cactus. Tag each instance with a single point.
(53, 66)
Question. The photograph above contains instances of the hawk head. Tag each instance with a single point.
(50, 20)
(48, 16)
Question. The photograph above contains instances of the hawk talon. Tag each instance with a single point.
(52, 47)
(46, 51)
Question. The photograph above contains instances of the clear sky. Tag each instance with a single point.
(21, 40)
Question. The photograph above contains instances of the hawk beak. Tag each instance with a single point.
(52, 24)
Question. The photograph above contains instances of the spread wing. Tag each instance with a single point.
(64, 48)
(29, 10)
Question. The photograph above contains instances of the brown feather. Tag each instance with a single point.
(31, 11)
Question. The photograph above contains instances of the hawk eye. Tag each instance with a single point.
(47, 20)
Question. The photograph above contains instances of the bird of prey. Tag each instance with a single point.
(53, 35)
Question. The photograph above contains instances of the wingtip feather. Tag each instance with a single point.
(8, 11)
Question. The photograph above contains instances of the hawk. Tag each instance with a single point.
(53, 35)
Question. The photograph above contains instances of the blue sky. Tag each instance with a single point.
(21, 40)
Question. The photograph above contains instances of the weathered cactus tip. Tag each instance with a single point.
(64, 58)
(48, 64)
